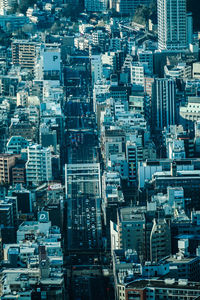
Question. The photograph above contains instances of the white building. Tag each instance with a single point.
(48, 66)
(109, 58)
(180, 71)
(96, 68)
(100, 93)
(175, 149)
(38, 166)
(172, 24)
(191, 111)
(136, 104)
(81, 43)
(22, 98)
(196, 70)
(5, 5)
(137, 75)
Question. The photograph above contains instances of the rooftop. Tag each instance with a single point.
(167, 283)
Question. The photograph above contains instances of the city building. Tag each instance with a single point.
(132, 159)
(127, 7)
(7, 161)
(12, 22)
(24, 53)
(6, 5)
(96, 5)
(48, 66)
(158, 289)
(38, 166)
(164, 103)
(172, 25)
(160, 240)
(16, 144)
(99, 150)
(131, 230)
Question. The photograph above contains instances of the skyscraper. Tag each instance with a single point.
(127, 6)
(164, 103)
(96, 5)
(172, 24)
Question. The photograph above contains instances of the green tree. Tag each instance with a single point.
(9, 27)
(14, 8)
(72, 11)
(25, 4)
(5, 38)
(20, 34)
(28, 28)
(141, 15)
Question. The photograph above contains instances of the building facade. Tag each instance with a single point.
(164, 103)
(96, 5)
(172, 24)
(38, 166)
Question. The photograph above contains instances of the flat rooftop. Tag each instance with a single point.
(142, 284)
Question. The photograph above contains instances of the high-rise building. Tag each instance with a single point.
(131, 230)
(38, 166)
(8, 219)
(137, 75)
(18, 172)
(96, 68)
(172, 24)
(6, 5)
(131, 156)
(96, 5)
(164, 103)
(160, 240)
(7, 161)
(24, 53)
(127, 6)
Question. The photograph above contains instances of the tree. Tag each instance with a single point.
(25, 4)
(5, 38)
(14, 8)
(29, 28)
(9, 27)
(71, 11)
(141, 15)
(153, 11)
(20, 34)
